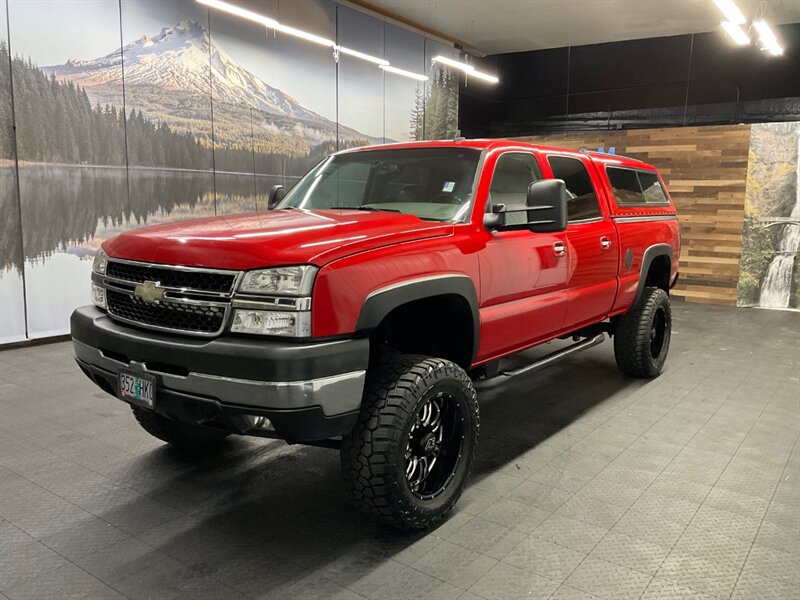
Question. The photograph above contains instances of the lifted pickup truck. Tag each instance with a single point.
(358, 312)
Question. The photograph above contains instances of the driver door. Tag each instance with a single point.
(523, 274)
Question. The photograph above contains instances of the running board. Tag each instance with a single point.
(556, 356)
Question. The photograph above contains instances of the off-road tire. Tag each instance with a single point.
(373, 455)
(633, 335)
(189, 439)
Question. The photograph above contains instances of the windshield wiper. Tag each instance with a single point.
(367, 207)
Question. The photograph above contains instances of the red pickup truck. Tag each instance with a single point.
(358, 311)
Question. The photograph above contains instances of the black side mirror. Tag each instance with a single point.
(547, 205)
(495, 219)
(276, 194)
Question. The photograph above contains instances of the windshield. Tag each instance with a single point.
(431, 183)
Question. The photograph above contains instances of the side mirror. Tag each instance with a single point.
(276, 194)
(545, 209)
(547, 205)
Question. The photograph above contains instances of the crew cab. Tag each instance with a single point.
(358, 311)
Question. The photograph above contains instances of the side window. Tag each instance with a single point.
(582, 195)
(637, 188)
(651, 188)
(513, 174)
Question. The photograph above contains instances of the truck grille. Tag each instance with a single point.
(190, 318)
(193, 301)
(198, 280)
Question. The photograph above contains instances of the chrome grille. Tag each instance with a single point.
(193, 318)
(194, 279)
(193, 301)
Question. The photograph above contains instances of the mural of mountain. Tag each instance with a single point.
(167, 78)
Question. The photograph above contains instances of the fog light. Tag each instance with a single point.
(98, 296)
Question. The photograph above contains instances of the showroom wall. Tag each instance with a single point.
(736, 189)
(116, 114)
(698, 79)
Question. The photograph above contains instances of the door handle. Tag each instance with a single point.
(605, 243)
(559, 249)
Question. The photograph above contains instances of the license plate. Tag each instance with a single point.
(138, 388)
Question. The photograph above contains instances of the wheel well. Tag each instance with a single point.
(439, 326)
(659, 272)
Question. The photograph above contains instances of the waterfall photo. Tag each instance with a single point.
(769, 273)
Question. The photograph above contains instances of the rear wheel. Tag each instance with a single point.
(642, 335)
(410, 454)
(191, 439)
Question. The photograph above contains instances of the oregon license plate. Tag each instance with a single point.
(137, 388)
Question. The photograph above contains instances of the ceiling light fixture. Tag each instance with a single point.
(304, 35)
(466, 68)
(737, 34)
(232, 9)
(403, 72)
(731, 11)
(363, 56)
(768, 40)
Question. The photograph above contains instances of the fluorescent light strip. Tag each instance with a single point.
(404, 73)
(767, 37)
(363, 56)
(737, 33)
(240, 12)
(731, 11)
(304, 35)
(483, 76)
(468, 69)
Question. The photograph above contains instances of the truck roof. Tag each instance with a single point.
(494, 144)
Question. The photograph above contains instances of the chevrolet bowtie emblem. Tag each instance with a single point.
(149, 292)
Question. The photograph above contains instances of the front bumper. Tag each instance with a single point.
(308, 391)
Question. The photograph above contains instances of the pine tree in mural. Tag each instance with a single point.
(435, 112)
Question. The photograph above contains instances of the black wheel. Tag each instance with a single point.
(642, 335)
(410, 454)
(191, 439)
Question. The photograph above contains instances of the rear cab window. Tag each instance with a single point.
(636, 187)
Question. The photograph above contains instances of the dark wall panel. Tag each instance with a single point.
(670, 81)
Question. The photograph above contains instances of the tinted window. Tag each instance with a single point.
(582, 196)
(634, 187)
(651, 188)
(626, 186)
(513, 174)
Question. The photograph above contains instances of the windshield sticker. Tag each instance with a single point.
(449, 186)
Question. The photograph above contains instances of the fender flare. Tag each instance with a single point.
(384, 300)
(650, 254)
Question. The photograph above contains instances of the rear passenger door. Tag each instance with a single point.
(592, 248)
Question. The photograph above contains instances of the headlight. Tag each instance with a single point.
(98, 296)
(282, 281)
(100, 262)
(272, 322)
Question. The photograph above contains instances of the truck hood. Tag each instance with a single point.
(274, 238)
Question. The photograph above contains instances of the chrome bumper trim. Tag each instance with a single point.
(335, 394)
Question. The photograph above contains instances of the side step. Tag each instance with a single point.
(554, 357)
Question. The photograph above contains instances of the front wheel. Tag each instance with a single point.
(642, 335)
(409, 456)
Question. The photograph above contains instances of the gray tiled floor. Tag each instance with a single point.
(588, 485)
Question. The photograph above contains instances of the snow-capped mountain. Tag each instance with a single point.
(168, 75)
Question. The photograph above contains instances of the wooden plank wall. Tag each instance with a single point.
(705, 169)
